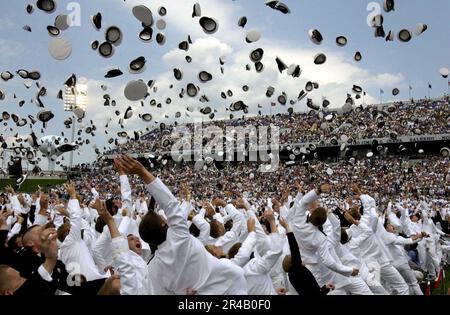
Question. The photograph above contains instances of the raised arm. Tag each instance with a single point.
(263, 264)
(328, 260)
(335, 235)
(166, 200)
(244, 253)
(293, 245)
(75, 215)
(125, 189)
(41, 217)
(203, 226)
(129, 281)
(14, 200)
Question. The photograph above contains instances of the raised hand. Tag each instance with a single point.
(118, 167)
(219, 202)
(269, 216)
(129, 165)
(71, 191)
(184, 192)
(210, 211)
(284, 224)
(285, 195)
(9, 190)
(191, 215)
(101, 210)
(356, 190)
(43, 202)
(133, 167)
(49, 248)
(299, 187)
(281, 291)
(240, 204)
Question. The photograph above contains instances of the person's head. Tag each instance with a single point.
(99, 225)
(15, 242)
(216, 251)
(217, 229)
(228, 225)
(287, 263)
(354, 213)
(391, 228)
(153, 229)
(234, 250)
(111, 206)
(63, 231)
(118, 204)
(134, 243)
(318, 216)
(194, 230)
(414, 217)
(10, 280)
(32, 239)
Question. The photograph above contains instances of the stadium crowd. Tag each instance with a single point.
(422, 117)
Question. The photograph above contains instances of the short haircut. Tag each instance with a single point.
(26, 236)
(110, 206)
(215, 229)
(355, 214)
(318, 217)
(194, 230)
(234, 250)
(344, 236)
(152, 229)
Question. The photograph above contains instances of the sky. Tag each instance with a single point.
(385, 65)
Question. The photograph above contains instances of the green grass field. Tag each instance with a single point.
(30, 185)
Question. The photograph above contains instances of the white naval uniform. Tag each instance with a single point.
(257, 270)
(182, 263)
(318, 255)
(132, 269)
(365, 244)
(396, 245)
(74, 252)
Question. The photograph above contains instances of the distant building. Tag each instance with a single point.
(75, 97)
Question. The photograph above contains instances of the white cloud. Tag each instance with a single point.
(6, 23)
(10, 49)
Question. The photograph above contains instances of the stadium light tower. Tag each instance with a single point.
(75, 97)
